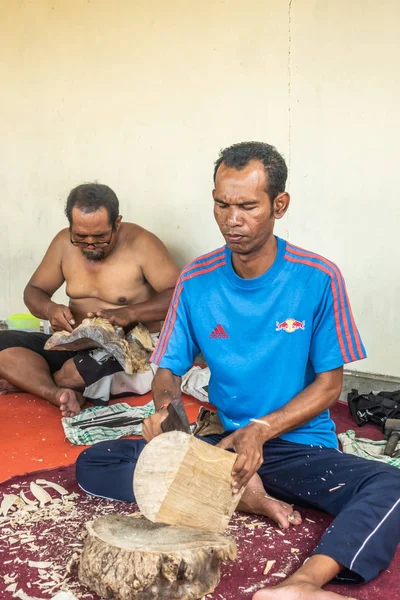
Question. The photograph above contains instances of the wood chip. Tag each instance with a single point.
(39, 493)
(22, 596)
(62, 491)
(26, 500)
(7, 502)
(40, 564)
(268, 566)
(12, 587)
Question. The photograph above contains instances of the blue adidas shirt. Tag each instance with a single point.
(264, 339)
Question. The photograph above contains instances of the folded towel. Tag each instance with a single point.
(98, 424)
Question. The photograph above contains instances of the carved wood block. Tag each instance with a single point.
(132, 353)
(180, 480)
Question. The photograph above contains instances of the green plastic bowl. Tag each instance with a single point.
(23, 322)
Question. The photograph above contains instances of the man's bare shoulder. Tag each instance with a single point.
(60, 240)
(139, 237)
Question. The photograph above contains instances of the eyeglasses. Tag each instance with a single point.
(94, 244)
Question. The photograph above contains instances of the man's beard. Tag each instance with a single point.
(93, 256)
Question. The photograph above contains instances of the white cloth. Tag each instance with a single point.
(195, 383)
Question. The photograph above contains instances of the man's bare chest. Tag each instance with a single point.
(113, 283)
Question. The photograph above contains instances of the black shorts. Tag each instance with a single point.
(35, 341)
(103, 375)
(96, 367)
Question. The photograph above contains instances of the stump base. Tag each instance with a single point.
(126, 558)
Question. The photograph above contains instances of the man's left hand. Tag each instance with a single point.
(117, 316)
(248, 443)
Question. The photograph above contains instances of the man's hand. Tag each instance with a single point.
(60, 317)
(117, 316)
(248, 443)
(152, 425)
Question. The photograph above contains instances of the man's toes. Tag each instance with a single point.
(295, 518)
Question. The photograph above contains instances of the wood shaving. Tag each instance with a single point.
(61, 490)
(26, 500)
(252, 526)
(7, 503)
(268, 566)
(335, 488)
(22, 596)
(39, 493)
(283, 575)
(40, 564)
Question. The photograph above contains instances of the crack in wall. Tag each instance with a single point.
(289, 68)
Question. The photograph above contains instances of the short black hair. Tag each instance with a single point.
(90, 197)
(239, 155)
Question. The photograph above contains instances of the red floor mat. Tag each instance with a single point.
(56, 540)
(32, 436)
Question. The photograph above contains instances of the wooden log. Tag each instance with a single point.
(125, 558)
(180, 480)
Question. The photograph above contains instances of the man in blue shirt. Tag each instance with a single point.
(275, 326)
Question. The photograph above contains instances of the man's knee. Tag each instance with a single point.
(106, 469)
(68, 376)
(385, 483)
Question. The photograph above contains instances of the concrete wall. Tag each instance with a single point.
(141, 95)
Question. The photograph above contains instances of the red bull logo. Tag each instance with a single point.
(290, 325)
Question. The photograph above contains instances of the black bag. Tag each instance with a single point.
(374, 408)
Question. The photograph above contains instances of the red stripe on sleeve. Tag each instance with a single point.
(342, 292)
(335, 300)
(168, 328)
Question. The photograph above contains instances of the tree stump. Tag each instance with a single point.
(125, 558)
(180, 480)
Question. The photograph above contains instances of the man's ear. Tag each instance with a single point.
(117, 223)
(281, 204)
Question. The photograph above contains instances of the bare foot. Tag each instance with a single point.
(300, 590)
(281, 512)
(256, 501)
(70, 402)
(7, 388)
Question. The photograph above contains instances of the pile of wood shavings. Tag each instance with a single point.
(41, 536)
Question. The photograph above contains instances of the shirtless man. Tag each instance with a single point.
(115, 270)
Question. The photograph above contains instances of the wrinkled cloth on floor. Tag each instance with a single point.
(366, 448)
(99, 424)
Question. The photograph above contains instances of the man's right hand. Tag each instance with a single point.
(152, 425)
(60, 317)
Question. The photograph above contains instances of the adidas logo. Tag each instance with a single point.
(219, 333)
